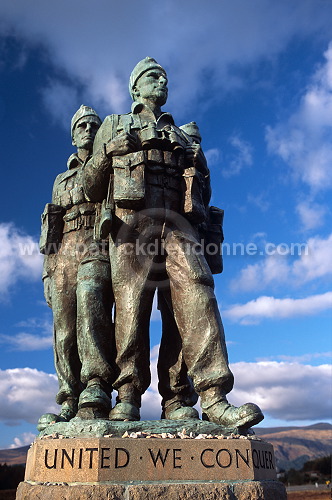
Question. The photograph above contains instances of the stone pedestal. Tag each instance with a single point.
(195, 490)
(143, 465)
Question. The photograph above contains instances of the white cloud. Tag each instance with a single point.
(24, 439)
(151, 400)
(281, 389)
(259, 201)
(304, 142)
(304, 358)
(288, 391)
(314, 263)
(60, 99)
(27, 341)
(270, 307)
(40, 338)
(26, 394)
(96, 45)
(311, 214)
(317, 263)
(241, 158)
(19, 258)
(213, 156)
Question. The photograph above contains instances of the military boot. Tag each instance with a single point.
(67, 412)
(95, 395)
(128, 403)
(230, 416)
(217, 409)
(68, 409)
(179, 410)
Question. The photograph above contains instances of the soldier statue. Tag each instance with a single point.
(77, 285)
(153, 182)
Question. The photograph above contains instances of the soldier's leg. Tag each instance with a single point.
(95, 335)
(133, 294)
(176, 389)
(198, 319)
(67, 362)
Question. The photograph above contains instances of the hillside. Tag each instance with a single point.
(293, 446)
(14, 456)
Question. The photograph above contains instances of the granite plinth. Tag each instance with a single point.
(249, 490)
(90, 460)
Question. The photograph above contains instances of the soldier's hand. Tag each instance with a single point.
(121, 144)
(48, 291)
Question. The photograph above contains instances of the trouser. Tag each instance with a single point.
(134, 279)
(173, 381)
(82, 307)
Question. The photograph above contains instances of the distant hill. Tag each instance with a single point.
(14, 456)
(293, 446)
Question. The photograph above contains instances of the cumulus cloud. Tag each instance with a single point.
(38, 337)
(304, 358)
(260, 201)
(96, 46)
(59, 99)
(26, 394)
(270, 307)
(213, 156)
(23, 439)
(313, 263)
(19, 258)
(288, 391)
(304, 142)
(241, 158)
(151, 400)
(281, 389)
(311, 214)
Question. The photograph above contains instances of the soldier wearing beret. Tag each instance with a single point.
(77, 283)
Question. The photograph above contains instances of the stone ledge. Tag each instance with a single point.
(78, 427)
(203, 490)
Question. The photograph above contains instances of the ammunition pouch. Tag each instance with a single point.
(129, 180)
(52, 228)
(103, 222)
(193, 207)
(78, 216)
(213, 237)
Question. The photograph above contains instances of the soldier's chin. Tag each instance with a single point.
(87, 144)
(162, 98)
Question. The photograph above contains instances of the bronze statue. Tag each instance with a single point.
(77, 285)
(153, 182)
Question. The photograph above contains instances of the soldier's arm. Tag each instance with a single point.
(107, 144)
(97, 170)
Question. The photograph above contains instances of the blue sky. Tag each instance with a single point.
(257, 78)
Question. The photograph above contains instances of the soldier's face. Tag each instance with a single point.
(85, 131)
(152, 85)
